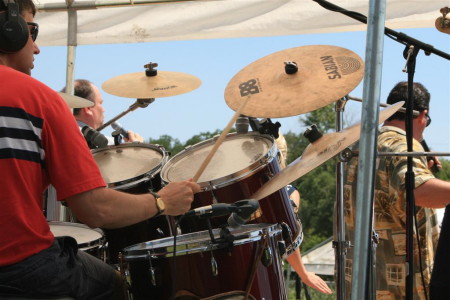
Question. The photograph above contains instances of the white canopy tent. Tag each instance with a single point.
(132, 21)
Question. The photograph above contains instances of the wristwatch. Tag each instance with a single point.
(160, 206)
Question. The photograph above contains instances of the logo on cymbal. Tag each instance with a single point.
(330, 67)
(164, 88)
(341, 65)
(249, 88)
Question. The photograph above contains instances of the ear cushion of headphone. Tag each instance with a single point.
(13, 34)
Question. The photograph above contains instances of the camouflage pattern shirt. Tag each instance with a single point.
(390, 217)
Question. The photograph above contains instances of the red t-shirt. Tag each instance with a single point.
(40, 143)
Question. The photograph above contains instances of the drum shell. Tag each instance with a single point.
(194, 271)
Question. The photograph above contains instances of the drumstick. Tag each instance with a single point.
(219, 141)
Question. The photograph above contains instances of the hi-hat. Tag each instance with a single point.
(295, 81)
(75, 102)
(139, 85)
(317, 153)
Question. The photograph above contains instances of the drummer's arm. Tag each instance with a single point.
(107, 208)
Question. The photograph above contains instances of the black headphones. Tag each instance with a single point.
(14, 31)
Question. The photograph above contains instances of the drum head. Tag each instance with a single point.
(237, 154)
(84, 235)
(128, 161)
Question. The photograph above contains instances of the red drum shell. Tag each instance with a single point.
(191, 271)
(133, 168)
(252, 160)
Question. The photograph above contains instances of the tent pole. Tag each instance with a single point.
(367, 157)
(71, 49)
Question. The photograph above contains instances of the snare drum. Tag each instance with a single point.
(133, 168)
(204, 268)
(242, 164)
(89, 240)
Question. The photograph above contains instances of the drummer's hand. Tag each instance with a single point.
(314, 281)
(133, 137)
(178, 196)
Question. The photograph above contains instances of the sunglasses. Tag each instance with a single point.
(34, 30)
(428, 120)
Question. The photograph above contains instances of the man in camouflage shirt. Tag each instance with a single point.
(389, 203)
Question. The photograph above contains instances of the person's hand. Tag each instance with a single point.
(434, 164)
(314, 281)
(178, 196)
(133, 137)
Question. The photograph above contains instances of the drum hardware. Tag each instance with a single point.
(151, 270)
(143, 103)
(330, 71)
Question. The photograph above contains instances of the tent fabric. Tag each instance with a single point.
(215, 19)
(320, 258)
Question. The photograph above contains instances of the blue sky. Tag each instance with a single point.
(215, 62)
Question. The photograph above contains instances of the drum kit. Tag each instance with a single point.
(201, 258)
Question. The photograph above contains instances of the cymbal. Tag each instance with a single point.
(75, 102)
(317, 153)
(138, 85)
(325, 74)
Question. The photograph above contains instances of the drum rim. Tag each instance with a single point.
(138, 179)
(230, 178)
(82, 246)
(255, 232)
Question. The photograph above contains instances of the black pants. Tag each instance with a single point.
(60, 270)
(440, 276)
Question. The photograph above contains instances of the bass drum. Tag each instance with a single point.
(243, 261)
(242, 164)
(133, 168)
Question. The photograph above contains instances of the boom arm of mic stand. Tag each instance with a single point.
(400, 37)
(139, 103)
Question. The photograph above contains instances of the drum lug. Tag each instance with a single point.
(151, 270)
(281, 248)
(286, 232)
(214, 267)
(267, 257)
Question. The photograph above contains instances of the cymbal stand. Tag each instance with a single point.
(139, 103)
(341, 245)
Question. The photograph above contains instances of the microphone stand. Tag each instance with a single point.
(139, 103)
(413, 47)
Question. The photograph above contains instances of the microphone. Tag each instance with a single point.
(434, 168)
(213, 210)
(243, 210)
(120, 129)
(94, 138)
(242, 123)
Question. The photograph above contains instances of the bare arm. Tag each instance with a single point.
(309, 278)
(108, 208)
(434, 193)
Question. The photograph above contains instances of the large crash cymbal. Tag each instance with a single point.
(325, 74)
(139, 85)
(317, 153)
(75, 102)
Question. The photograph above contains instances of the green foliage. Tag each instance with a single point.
(173, 146)
(444, 173)
(169, 143)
